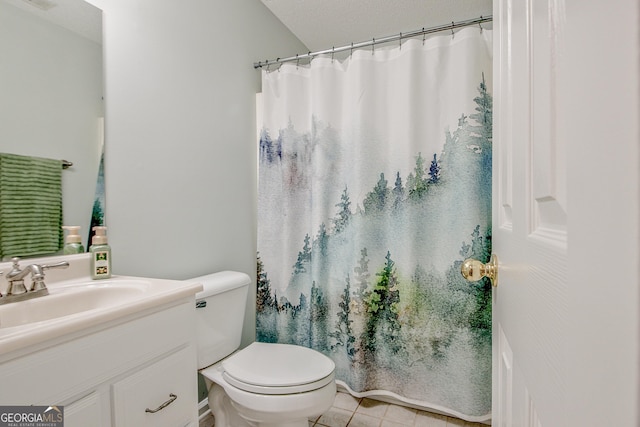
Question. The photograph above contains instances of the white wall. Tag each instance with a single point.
(180, 159)
(51, 102)
(599, 76)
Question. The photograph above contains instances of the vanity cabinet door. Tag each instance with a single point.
(163, 394)
(87, 411)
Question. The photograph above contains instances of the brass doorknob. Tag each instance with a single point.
(473, 270)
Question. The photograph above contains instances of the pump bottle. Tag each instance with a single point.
(100, 254)
(72, 243)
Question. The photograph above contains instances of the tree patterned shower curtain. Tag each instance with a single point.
(374, 186)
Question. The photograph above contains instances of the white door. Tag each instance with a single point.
(566, 213)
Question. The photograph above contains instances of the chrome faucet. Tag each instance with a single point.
(17, 291)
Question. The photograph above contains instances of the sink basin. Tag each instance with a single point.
(78, 305)
(72, 299)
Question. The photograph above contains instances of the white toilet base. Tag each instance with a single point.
(232, 409)
(222, 410)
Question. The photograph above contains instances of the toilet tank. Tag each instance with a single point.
(220, 309)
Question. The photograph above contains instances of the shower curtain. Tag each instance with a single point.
(374, 186)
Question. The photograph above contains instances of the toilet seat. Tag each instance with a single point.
(278, 369)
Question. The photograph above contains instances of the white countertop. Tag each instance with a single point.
(76, 303)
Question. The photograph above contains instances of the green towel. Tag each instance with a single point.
(30, 205)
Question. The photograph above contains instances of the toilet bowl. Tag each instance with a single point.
(271, 385)
(264, 384)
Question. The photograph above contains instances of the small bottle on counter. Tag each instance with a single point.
(72, 243)
(100, 254)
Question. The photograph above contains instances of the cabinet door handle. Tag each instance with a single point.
(172, 397)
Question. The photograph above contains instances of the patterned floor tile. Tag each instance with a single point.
(373, 408)
(335, 417)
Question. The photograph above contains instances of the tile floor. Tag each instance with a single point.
(349, 411)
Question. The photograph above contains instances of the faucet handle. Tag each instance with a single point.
(38, 285)
(37, 275)
(16, 287)
(61, 264)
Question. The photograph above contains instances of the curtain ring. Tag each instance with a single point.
(424, 36)
(351, 51)
(333, 48)
(400, 43)
(480, 24)
(297, 61)
(453, 35)
(373, 46)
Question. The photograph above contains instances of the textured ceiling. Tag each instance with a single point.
(322, 24)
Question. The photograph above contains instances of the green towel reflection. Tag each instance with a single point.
(30, 205)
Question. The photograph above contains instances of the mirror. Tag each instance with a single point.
(51, 93)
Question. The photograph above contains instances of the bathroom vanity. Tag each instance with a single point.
(112, 352)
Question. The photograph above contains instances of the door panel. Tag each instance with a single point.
(548, 163)
(530, 304)
(566, 213)
(502, 412)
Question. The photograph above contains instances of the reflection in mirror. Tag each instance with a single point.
(51, 89)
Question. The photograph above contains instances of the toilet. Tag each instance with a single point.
(264, 384)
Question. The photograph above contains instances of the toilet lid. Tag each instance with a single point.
(278, 369)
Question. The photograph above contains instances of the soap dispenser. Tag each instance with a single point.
(100, 254)
(72, 243)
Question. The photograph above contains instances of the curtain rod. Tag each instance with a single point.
(452, 26)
